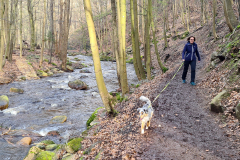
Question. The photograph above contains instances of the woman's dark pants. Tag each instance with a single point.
(193, 68)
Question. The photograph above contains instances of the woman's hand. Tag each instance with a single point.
(183, 60)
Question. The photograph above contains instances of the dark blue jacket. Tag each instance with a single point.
(190, 51)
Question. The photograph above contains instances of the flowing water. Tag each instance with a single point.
(31, 112)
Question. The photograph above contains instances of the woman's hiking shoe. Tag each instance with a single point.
(193, 84)
(183, 81)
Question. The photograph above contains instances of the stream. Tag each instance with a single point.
(30, 113)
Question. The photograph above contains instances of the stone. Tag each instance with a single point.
(58, 119)
(69, 157)
(25, 141)
(214, 56)
(84, 71)
(45, 155)
(78, 85)
(237, 109)
(69, 68)
(16, 90)
(216, 105)
(77, 65)
(51, 147)
(53, 133)
(47, 142)
(4, 102)
(50, 73)
(5, 80)
(74, 145)
(213, 64)
(32, 153)
(41, 73)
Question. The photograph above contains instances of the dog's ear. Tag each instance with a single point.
(138, 109)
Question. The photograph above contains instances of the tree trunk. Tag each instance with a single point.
(115, 40)
(43, 33)
(226, 17)
(32, 29)
(155, 41)
(238, 10)
(230, 13)
(121, 10)
(164, 29)
(2, 37)
(148, 53)
(66, 32)
(106, 98)
(51, 35)
(21, 42)
(214, 21)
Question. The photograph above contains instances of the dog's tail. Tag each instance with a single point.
(145, 99)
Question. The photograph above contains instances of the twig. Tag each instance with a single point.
(6, 132)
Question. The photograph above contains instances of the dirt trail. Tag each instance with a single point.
(188, 129)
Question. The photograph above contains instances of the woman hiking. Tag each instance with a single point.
(189, 57)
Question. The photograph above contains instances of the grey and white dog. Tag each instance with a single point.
(146, 113)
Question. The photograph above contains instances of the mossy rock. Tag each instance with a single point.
(16, 90)
(41, 73)
(93, 116)
(78, 85)
(216, 105)
(75, 144)
(45, 155)
(4, 102)
(98, 156)
(58, 119)
(69, 157)
(23, 78)
(237, 109)
(47, 142)
(69, 68)
(51, 147)
(32, 153)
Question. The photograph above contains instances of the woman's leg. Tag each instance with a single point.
(186, 64)
(193, 70)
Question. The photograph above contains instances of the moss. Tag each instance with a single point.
(23, 78)
(184, 35)
(46, 142)
(93, 116)
(54, 64)
(98, 156)
(46, 60)
(228, 35)
(137, 85)
(164, 69)
(45, 155)
(16, 90)
(84, 65)
(29, 63)
(32, 153)
(6, 100)
(75, 144)
(130, 61)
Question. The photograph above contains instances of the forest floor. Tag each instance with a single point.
(183, 127)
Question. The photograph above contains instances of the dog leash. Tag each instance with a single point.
(167, 84)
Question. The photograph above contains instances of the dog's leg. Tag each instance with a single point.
(148, 124)
(142, 128)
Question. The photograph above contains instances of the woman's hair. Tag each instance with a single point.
(191, 37)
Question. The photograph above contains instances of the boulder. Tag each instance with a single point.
(214, 56)
(84, 71)
(41, 73)
(74, 145)
(58, 119)
(53, 133)
(51, 147)
(32, 153)
(16, 90)
(69, 68)
(77, 65)
(25, 141)
(237, 109)
(5, 80)
(216, 105)
(47, 142)
(45, 155)
(4, 101)
(78, 85)
(69, 157)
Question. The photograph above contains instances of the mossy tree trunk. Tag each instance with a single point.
(1, 35)
(230, 13)
(21, 42)
(148, 53)
(106, 97)
(121, 12)
(155, 41)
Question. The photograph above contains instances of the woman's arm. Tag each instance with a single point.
(198, 55)
(183, 52)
